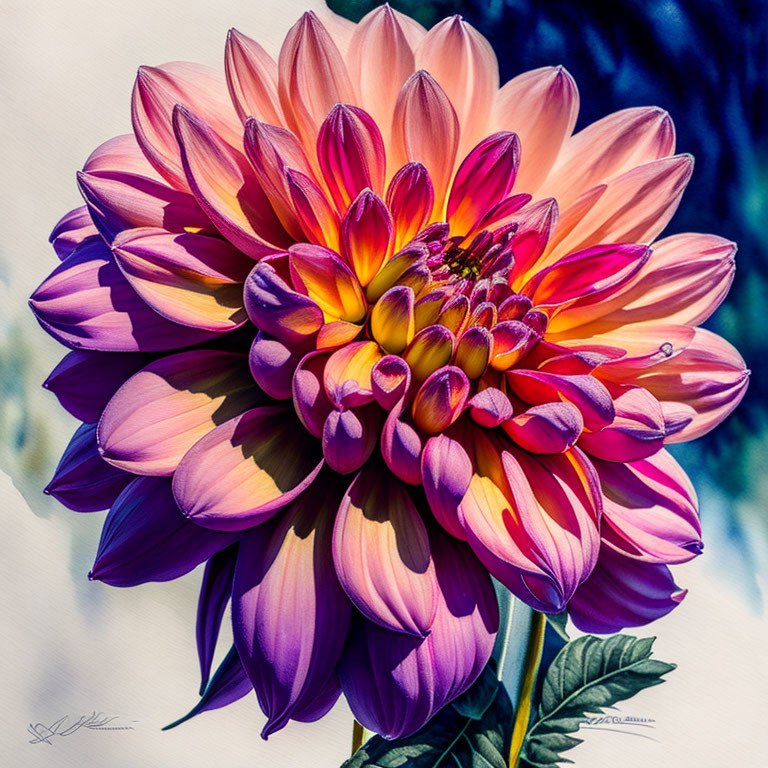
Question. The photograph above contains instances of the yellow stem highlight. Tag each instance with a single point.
(358, 736)
(530, 668)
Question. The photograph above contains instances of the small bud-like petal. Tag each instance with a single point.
(392, 319)
(441, 399)
(366, 236)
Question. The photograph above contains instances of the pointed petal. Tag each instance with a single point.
(382, 554)
(252, 79)
(290, 616)
(246, 469)
(157, 91)
(83, 481)
(425, 129)
(312, 77)
(194, 280)
(367, 237)
(318, 218)
(215, 592)
(540, 106)
(146, 538)
(71, 230)
(87, 303)
(226, 188)
(464, 64)
(84, 381)
(410, 199)
(164, 409)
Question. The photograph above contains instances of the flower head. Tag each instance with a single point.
(361, 329)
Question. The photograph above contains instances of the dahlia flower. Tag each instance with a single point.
(360, 329)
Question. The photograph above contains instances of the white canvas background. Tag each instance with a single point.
(69, 647)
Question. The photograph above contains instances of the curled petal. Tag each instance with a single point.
(446, 472)
(349, 438)
(226, 188)
(623, 592)
(392, 319)
(328, 281)
(83, 481)
(540, 106)
(708, 376)
(310, 400)
(277, 309)
(464, 64)
(390, 380)
(215, 592)
(382, 555)
(441, 399)
(351, 155)
(155, 94)
(84, 381)
(637, 431)
(252, 79)
(272, 365)
(347, 376)
(395, 683)
(431, 348)
(588, 394)
(650, 510)
(367, 236)
(290, 616)
(490, 407)
(194, 280)
(146, 538)
(312, 77)
(380, 60)
(546, 428)
(410, 199)
(483, 180)
(87, 303)
(511, 341)
(118, 200)
(161, 411)
(246, 469)
(71, 230)
(613, 145)
(425, 129)
(474, 350)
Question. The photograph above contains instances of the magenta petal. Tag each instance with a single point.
(84, 381)
(87, 303)
(147, 538)
(623, 592)
(215, 592)
(446, 472)
(546, 428)
(410, 199)
(395, 683)
(246, 469)
(290, 616)
(83, 481)
(490, 407)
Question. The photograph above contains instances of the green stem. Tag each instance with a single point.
(530, 668)
(358, 736)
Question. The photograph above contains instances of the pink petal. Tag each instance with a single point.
(382, 555)
(122, 154)
(540, 106)
(155, 94)
(226, 188)
(546, 428)
(317, 216)
(366, 236)
(165, 408)
(195, 280)
(410, 199)
(252, 79)
(245, 470)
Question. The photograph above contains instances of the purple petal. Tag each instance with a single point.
(83, 481)
(273, 364)
(349, 438)
(86, 302)
(215, 592)
(71, 230)
(85, 381)
(623, 592)
(395, 683)
(446, 473)
(290, 615)
(147, 538)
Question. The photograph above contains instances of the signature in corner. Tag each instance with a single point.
(65, 726)
(620, 724)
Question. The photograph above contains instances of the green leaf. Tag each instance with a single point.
(473, 732)
(588, 674)
(558, 622)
